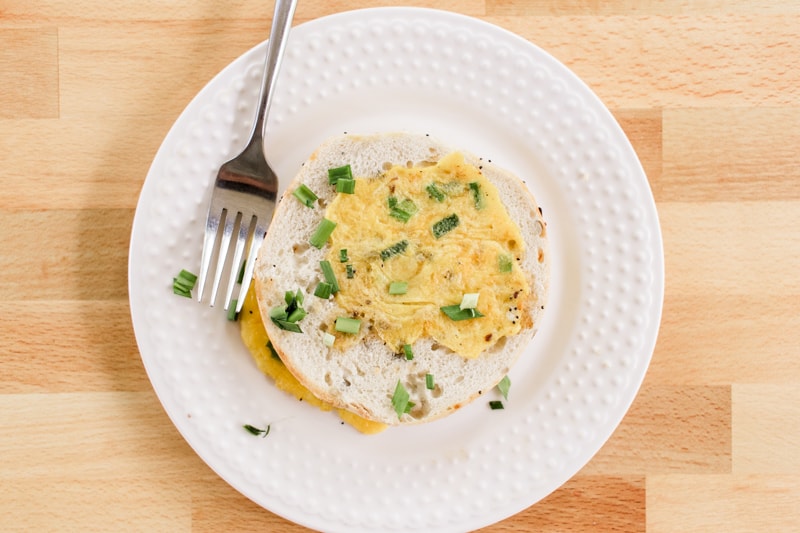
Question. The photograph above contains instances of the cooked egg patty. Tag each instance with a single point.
(255, 339)
(431, 234)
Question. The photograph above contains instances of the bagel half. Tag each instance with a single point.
(361, 376)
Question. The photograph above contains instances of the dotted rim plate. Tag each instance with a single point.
(472, 85)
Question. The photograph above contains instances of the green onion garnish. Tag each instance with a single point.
(496, 404)
(287, 316)
(477, 197)
(232, 314)
(350, 271)
(454, 312)
(345, 324)
(240, 275)
(391, 202)
(503, 386)
(504, 263)
(257, 431)
(400, 400)
(305, 195)
(435, 192)
(328, 339)
(398, 287)
(323, 231)
(343, 255)
(323, 290)
(330, 277)
(429, 382)
(183, 284)
(445, 225)
(408, 352)
(396, 248)
(346, 186)
(403, 210)
(343, 172)
(469, 300)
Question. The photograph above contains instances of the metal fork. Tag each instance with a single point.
(246, 187)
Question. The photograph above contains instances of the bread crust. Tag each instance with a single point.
(362, 378)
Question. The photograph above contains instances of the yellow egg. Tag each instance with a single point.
(443, 230)
(255, 339)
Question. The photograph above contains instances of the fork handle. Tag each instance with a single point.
(278, 36)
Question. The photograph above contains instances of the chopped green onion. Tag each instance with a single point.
(343, 172)
(323, 231)
(257, 431)
(445, 225)
(400, 400)
(346, 186)
(477, 197)
(323, 290)
(328, 339)
(402, 211)
(287, 316)
(408, 352)
(330, 277)
(183, 284)
(429, 382)
(396, 248)
(503, 386)
(504, 263)
(297, 315)
(435, 192)
(343, 255)
(350, 271)
(232, 314)
(469, 300)
(305, 195)
(398, 287)
(345, 324)
(273, 352)
(454, 312)
(240, 276)
(391, 202)
(496, 404)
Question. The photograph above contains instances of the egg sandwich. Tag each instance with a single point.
(400, 278)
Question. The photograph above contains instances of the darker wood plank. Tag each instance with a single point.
(594, 504)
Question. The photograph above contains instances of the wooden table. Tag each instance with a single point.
(709, 94)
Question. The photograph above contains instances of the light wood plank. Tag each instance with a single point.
(29, 72)
(670, 429)
(71, 255)
(70, 504)
(88, 163)
(734, 504)
(652, 61)
(637, 7)
(65, 12)
(723, 154)
(90, 436)
(716, 338)
(69, 346)
(764, 438)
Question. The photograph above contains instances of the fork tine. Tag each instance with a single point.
(255, 244)
(210, 238)
(238, 251)
(224, 244)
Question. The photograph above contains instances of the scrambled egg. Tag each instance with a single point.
(442, 230)
(255, 338)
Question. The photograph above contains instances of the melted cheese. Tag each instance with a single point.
(255, 338)
(438, 270)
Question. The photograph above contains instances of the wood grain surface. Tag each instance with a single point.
(708, 93)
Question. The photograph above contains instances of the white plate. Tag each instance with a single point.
(490, 92)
